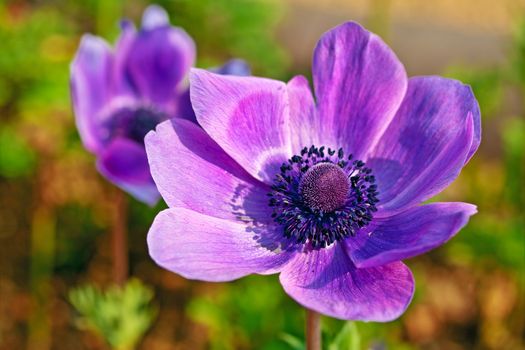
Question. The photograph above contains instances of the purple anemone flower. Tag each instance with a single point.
(326, 192)
(119, 95)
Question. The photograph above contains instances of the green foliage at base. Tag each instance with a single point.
(120, 315)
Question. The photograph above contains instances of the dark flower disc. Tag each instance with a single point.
(321, 196)
(133, 123)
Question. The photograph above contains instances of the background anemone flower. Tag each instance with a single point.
(118, 96)
(277, 183)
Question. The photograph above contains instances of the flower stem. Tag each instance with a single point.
(120, 239)
(313, 330)
(43, 240)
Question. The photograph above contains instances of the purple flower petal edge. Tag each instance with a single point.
(91, 77)
(426, 145)
(201, 247)
(359, 83)
(327, 281)
(159, 59)
(125, 164)
(153, 17)
(246, 116)
(409, 233)
(181, 154)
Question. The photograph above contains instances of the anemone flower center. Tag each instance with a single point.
(134, 123)
(322, 196)
(324, 187)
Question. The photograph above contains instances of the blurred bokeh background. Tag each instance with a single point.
(56, 211)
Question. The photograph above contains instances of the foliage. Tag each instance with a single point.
(16, 159)
(238, 28)
(248, 313)
(347, 339)
(121, 315)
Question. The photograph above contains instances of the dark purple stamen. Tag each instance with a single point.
(133, 123)
(321, 196)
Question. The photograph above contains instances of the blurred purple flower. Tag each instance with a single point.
(118, 96)
(276, 182)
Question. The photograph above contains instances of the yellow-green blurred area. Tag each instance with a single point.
(56, 211)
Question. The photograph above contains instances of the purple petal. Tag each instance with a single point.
(153, 17)
(359, 84)
(124, 162)
(202, 247)
(146, 193)
(303, 115)
(326, 281)
(123, 85)
(91, 81)
(427, 144)
(409, 233)
(184, 107)
(246, 116)
(193, 172)
(476, 119)
(233, 67)
(157, 62)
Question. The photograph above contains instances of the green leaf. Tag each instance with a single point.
(294, 342)
(347, 339)
(120, 315)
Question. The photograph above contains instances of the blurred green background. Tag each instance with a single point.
(56, 212)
